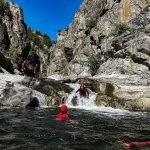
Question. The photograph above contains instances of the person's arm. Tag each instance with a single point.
(78, 90)
(138, 143)
(34, 69)
(87, 91)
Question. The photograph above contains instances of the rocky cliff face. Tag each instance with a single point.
(14, 40)
(40, 45)
(105, 37)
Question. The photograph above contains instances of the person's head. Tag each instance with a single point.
(63, 108)
(82, 86)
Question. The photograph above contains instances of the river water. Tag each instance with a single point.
(38, 129)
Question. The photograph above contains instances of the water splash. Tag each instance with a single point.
(90, 105)
(81, 101)
(40, 97)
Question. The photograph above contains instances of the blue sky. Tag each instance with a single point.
(49, 16)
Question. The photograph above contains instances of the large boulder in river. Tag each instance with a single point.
(12, 93)
(20, 91)
(120, 91)
(55, 90)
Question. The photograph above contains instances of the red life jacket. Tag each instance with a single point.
(138, 143)
(63, 116)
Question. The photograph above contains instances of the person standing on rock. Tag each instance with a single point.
(36, 66)
(23, 66)
(83, 91)
(35, 70)
(63, 113)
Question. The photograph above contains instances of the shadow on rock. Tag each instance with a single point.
(34, 103)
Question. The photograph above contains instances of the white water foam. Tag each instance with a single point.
(89, 104)
(81, 101)
(56, 77)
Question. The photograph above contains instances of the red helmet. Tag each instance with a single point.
(63, 108)
(82, 85)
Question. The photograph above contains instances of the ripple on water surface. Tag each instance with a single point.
(38, 129)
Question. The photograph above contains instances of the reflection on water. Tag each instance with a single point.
(38, 129)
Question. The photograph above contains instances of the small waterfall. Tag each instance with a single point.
(81, 101)
(40, 97)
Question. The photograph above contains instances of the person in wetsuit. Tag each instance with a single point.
(129, 145)
(23, 66)
(63, 113)
(36, 66)
(83, 91)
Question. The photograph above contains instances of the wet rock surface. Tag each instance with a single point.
(20, 91)
(119, 91)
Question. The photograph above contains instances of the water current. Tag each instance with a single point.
(38, 129)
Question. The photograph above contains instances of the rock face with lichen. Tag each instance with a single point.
(14, 40)
(110, 42)
(105, 37)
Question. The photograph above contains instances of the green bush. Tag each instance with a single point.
(40, 40)
(47, 41)
(2, 3)
(2, 6)
(93, 62)
(14, 53)
(31, 52)
(119, 28)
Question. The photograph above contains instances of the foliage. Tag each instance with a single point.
(119, 28)
(3, 5)
(31, 52)
(47, 41)
(40, 40)
(93, 62)
(14, 53)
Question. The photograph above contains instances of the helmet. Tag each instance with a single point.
(63, 108)
(81, 85)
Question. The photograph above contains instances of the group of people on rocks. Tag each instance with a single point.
(25, 69)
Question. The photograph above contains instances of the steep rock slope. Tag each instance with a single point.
(40, 45)
(14, 40)
(105, 37)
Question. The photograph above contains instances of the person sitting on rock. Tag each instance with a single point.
(83, 91)
(63, 113)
